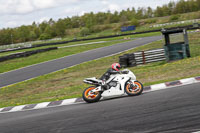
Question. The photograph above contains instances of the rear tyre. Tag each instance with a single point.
(91, 97)
(132, 90)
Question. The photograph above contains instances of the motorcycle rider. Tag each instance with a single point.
(115, 69)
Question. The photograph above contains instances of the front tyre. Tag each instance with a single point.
(89, 96)
(134, 90)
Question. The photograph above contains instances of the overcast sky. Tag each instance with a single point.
(15, 13)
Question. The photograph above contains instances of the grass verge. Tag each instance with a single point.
(46, 56)
(68, 83)
(50, 55)
(82, 42)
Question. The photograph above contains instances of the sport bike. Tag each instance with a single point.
(124, 83)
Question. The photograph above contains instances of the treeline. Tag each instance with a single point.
(91, 22)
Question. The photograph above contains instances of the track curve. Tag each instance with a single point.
(167, 111)
(61, 63)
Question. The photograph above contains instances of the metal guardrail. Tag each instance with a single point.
(25, 44)
(144, 57)
(179, 22)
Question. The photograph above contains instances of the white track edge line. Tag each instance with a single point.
(74, 99)
(1, 109)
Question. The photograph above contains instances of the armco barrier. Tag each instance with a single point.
(142, 57)
(25, 54)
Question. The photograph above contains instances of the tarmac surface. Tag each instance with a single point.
(36, 70)
(173, 110)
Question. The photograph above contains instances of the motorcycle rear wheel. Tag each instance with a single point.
(134, 90)
(91, 97)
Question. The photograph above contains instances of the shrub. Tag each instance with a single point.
(134, 22)
(99, 28)
(174, 17)
(44, 36)
(84, 31)
(150, 21)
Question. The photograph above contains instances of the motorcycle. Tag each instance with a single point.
(117, 85)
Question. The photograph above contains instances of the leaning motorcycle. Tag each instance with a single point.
(117, 85)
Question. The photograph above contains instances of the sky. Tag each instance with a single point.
(14, 13)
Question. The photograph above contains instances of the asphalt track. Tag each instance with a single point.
(61, 63)
(174, 110)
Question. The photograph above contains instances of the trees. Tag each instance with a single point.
(123, 20)
(60, 28)
(171, 6)
(114, 17)
(159, 12)
(43, 26)
(24, 32)
(149, 12)
(89, 20)
(134, 22)
(75, 22)
(100, 18)
(95, 22)
(140, 13)
(5, 37)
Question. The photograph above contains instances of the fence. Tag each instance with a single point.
(25, 44)
(180, 22)
(15, 46)
(142, 57)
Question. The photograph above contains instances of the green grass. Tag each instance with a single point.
(59, 45)
(50, 55)
(81, 42)
(46, 56)
(68, 83)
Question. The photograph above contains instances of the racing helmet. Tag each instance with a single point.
(116, 66)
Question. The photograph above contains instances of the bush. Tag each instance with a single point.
(150, 21)
(174, 17)
(134, 22)
(99, 28)
(44, 36)
(84, 32)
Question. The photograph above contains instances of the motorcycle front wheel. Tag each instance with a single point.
(134, 90)
(91, 97)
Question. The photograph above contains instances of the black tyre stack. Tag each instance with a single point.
(25, 54)
(127, 60)
(131, 60)
(123, 60)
